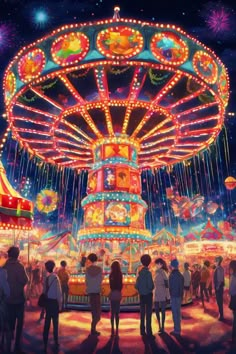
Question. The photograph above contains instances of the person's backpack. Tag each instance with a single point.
(43, 298)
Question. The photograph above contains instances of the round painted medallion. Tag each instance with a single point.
(169, 48)
(223, 86)
(205, 67)
(120, 42)
(10, 86)
(31, 65)
(70, 48)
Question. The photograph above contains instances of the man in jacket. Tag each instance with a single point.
(17, 279)
(176, 287)
(205, 276)
(144, 285)
(4, 294)
(219, 283)
(93, 280)
(52, 288)
(4, 286)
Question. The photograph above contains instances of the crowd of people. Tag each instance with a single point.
(168, 284)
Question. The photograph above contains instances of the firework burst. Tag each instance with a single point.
(7, 35)
(218, 21)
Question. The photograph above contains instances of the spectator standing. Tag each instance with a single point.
(43, 280)
(4, 294)
(116, 284)
(4, 286)
(93, 280)
(219, 283)
(52, 289)
(64, 277)
(196, 277)
(161, 292)
(232, 293)
(187, 282)
(205, 276)
(36, 285)
(144, 285)
(83, 263)
(176, 284)
(210, 280)
(17, 279)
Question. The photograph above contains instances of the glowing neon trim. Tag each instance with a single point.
(113, 196)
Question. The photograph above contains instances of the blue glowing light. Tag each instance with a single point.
(41, 18)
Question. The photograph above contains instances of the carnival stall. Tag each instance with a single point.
(16, 216)
(163, 245)
(211, 242)
(60, 246)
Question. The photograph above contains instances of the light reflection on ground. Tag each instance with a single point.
(201, 333)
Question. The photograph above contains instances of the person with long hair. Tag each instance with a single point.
(232, 293)
(161, 292)
(187, 281)
(116, 284)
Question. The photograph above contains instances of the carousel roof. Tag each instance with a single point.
(16, 212)
(163, 236)
(191, 236)
(210, 232)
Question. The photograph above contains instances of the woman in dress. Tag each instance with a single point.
(116, 284)
(161, 292)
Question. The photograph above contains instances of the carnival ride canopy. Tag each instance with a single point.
(16, 212)
(83, 83)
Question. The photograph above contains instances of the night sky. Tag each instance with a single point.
(213, 23)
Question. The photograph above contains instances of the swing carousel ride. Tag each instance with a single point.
(115, 97)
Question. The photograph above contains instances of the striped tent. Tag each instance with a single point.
(54, 241)
(163, 237)
(16, 212)
(210, 232)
